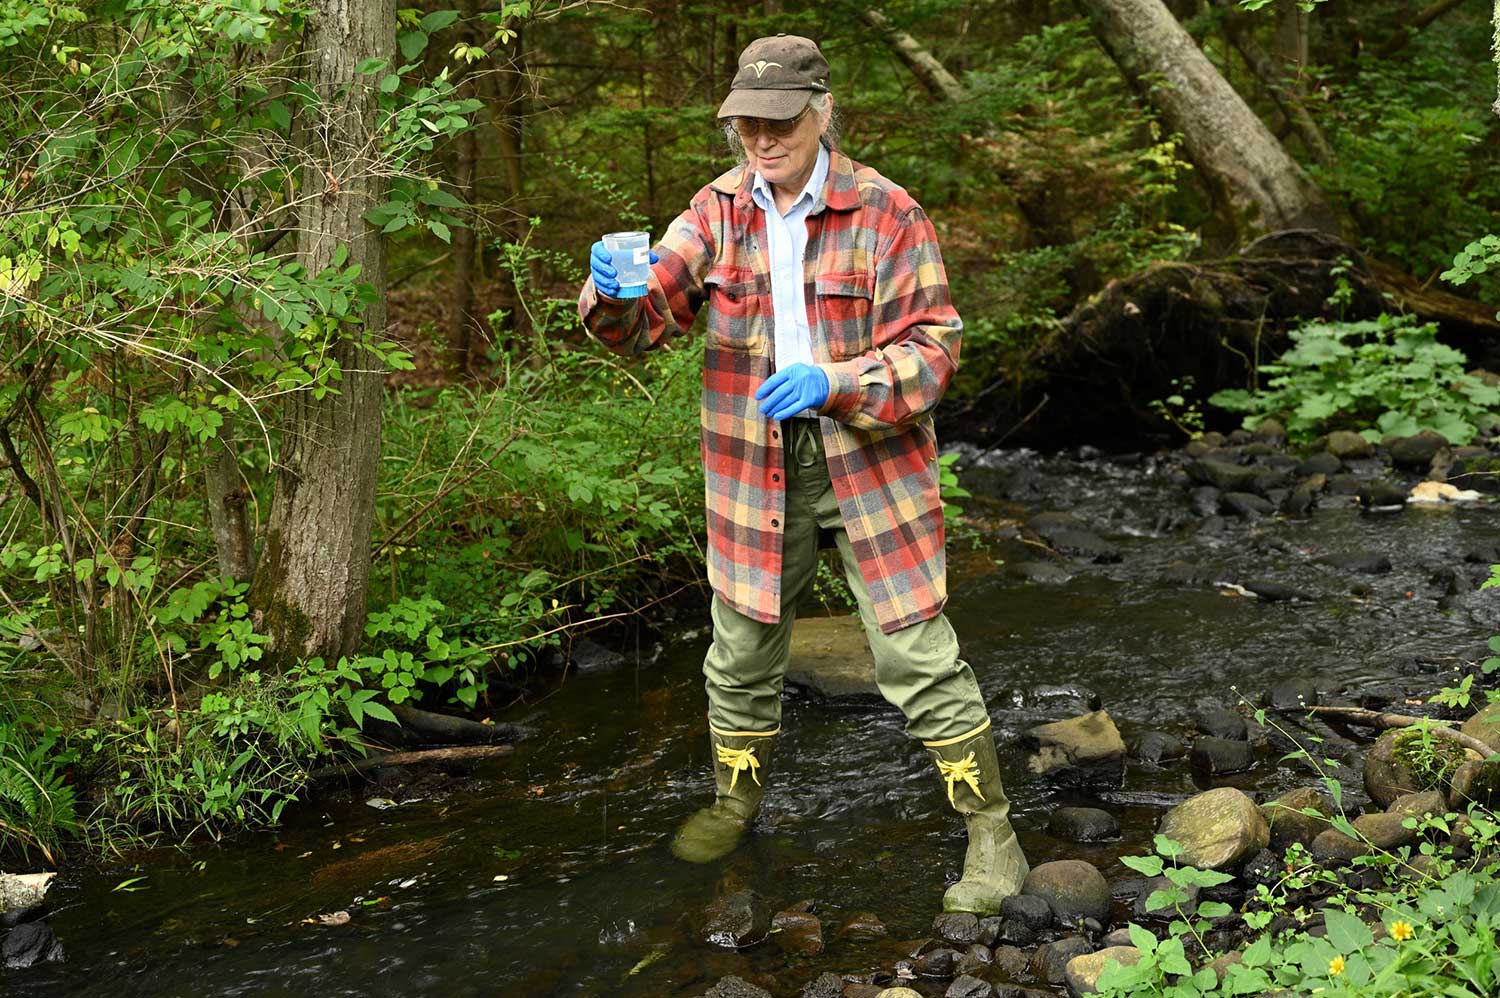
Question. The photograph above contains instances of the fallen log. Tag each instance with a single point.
(455, 729)
(1377, 719)
(461, 753)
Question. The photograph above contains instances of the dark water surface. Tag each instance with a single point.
(578, 818)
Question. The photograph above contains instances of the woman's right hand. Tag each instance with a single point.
(605, 277)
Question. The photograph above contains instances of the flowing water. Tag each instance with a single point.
(548, 872)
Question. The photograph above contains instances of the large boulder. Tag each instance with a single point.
(1399, 763)
(1073, 889)
(1216, 829)
(1475, 781)
(1083, 971)
(831, 657)
(1081, 749)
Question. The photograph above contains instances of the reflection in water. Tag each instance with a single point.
(554, 876)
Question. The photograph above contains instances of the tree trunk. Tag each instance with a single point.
(228, 506)
(314, 568)
(1258, 187)
(507, 104)
(461, 320)
(1273, 76)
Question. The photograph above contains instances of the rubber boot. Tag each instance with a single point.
(740, 760)
(994, 865)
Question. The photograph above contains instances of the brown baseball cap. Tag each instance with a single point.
(777, 77)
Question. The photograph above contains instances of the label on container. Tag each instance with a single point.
(643, 256)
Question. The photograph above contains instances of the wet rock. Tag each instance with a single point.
(968, 986)
(1157, 747)
(1217, 828)
(867, 991)
(1333, 846)
(959, 928)
(1067, 534)
(1045, 573)
(1366, 562)
(1083, 971)
(1246, 505)
(1386, 830)
(1270, 429)
(590, 656)
(30, 944)
(1221, 722)
(1079, 750)
(862, 927)
(1119, 937)
(1072, 888)
(1220, 756)
(1321, 463)
(937, 963)
(1388, 770)
(1419, 804)
(1185, 908)
(828, 985)
(1083, 824)
(1050, 961)
(975, 959)
(1223, 962)
(1475, 781)
(1303, 499)
(1188, 574)
(989, 929)
(736, 920)
(1379, 496)
(1028, 910)
(1416, 452)
(1014, 933)
(1262, 869)
(798, 931)
(1047, 700)
(1274, 592)
(1011, 961)
(1287, 822)
(830, 656)
(22, 890)
(1292, 694)
(1222, 475)
(1345, 444)
(1479, 473)
(1204, 500)
(1485, 725)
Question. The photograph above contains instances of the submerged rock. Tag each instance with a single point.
(798, 931)
(736, 987)
(736, 920)
(1072, 888)
(1082, 749)
(831, 657)
(1221, 756)
(1083, 824)
(862, 927)
(1217, 828)
(1221, 722)
(1157, 747)
(1366, 562)
(30, 944)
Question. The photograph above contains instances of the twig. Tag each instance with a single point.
(482, 466)
(1376, 719)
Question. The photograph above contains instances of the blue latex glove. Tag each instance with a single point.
(792, 389)
(605, 277)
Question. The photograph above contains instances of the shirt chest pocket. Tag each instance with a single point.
(844, 303)
(734, 310)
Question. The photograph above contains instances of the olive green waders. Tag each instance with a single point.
(917, 669)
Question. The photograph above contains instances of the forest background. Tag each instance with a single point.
(302, 437)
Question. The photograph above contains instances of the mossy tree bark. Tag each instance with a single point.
(1257, 186)
(311, 580)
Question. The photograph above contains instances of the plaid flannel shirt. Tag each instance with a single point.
(884, 331)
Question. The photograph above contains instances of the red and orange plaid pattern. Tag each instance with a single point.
(884, 331)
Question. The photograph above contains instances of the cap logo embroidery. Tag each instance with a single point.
(760, 66)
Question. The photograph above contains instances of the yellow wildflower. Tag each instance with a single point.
(1336, 966)
(1401, 931)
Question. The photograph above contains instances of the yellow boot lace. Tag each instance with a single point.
(966, 770)
(739, 760)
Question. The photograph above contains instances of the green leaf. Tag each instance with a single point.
(1348, 933)
(440, 230)
(371, 66)
(389, 84)
(279, 114)
(1150, 866)
(1214, 909)
(412, 43)
(438, 20)
(1142, 939)
(381, 712)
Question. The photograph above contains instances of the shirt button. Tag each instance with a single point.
(775, 434)
(775, 523)
(775, 478)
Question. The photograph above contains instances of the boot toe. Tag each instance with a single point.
(708, 835)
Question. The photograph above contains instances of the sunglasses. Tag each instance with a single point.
(746, 128)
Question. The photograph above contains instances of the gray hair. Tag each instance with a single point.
(823, 106)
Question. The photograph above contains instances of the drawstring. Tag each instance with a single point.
(966, 770)
(741, 759)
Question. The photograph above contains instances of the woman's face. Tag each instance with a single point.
(786, 161)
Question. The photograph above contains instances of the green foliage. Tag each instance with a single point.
(1386, 375)
(38, 806)
(1180, 409)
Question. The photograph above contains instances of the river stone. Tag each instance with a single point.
(1044, 573)
(1364, 562)
(1344, 444)
(862, 927)
(1246, 505)
(863, 991)
(1479, 473)
(1221, 475)
(1080, 542)
(798, 932)
(1073, 889)
(1219, 756)
(1011, 961)
(1017, 933)
(590, 656)
(1292, 694)
(1387, 774)
(1083, 824)
(1049, 964)
(827, 985)
(1083, 971)
(1119, 937)
(989, 929)
(1300, 500)
(736, 920)
(1221, 722)
(1287, 822)
(1204, 500)
(1024, 909)
(975, 959)
(898, 993)
(1417, 451)
(1217, 828)
(1418, 805)
(1475, 781)
(937, 963)
(1378, 495)
(1271, 429)
(30, 944)
(1274, 592)
(831, 656)
(1157, 747)
(1080, 749)
(22, 890)
(959, 928)
(1224, 961)
(736, 987)
(1385, 830)
(1485, 725)
(969, 986)
(1321, 463)
(1333, 846)
(1164, 914)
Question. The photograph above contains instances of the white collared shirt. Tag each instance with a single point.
(786, 245)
